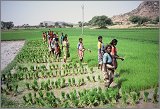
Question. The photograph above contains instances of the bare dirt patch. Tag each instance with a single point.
(9, 50)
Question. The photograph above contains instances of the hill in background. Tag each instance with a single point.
(148, 9)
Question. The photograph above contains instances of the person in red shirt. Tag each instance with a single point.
(114, 53)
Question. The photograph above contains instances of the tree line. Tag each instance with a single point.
(100, 21)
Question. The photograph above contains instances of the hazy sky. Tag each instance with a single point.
(34, 12)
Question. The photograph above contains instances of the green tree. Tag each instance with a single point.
(157, 19)
(7, 25)
(101, 21)
(80, 24)
(135, 19)
(138, 19)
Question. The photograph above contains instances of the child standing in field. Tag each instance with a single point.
(57, 48)
(65, 47)
(114, 53)
(49, 45)
(62, 36)
(100, 51)
(44, 37)
(52, 43)
(108, 67)
(81, 49)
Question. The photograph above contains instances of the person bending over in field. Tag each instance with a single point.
(81, 49)
(65, 47)
(108, 68)
(100, 52)
(57, 48)
(114, 53)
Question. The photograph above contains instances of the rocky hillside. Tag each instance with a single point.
(148, 9)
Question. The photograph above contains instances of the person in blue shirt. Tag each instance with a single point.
(62, 36)
(108, 68)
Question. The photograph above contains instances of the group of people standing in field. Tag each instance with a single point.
(107, 59)
(52, 40)
(107, 55)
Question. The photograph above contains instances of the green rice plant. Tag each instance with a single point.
(63, 66)
(27, 85)
(56, 84)
(79, 82)
(134, 96)
(34, 87)
(25, 99)
(32, 68)
(36, 75)
(64, 72)
(41, 94)
(85, 71)
(30, 98)
(16, 88)
(47, 94)
(35, 83)
(73, 72)
(20, 76)
(3, 77)
(69, 82)
(59, 83)
(83, 82)
(155, 95)
(49, 82)
(73, 82)
(85, 100)
(99, 78)
(76, 72)
(31, 75)
(42, 73)
(68, 96)
(48, 74)
(57, 66)
(63, 95)
(138, 95)
(69, 72)
(94, 78)
(43, 68)
(42, 85)
(75, 102)
(25, 69)
(60, 73)
(146, 96)
(47, 87)
(91, 99)
(41, 102)
(91, 69)
(56, 72)
(52, 83)
(35, 95)
(124, 99)
(73, 96)
(63, 83)
(88, 78)
(53, 66)
(66, 104)
(15, 75)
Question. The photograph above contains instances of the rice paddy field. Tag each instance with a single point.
(33, 79)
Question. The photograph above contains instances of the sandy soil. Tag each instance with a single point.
(9, 50)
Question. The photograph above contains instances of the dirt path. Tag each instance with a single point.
(9, 50)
